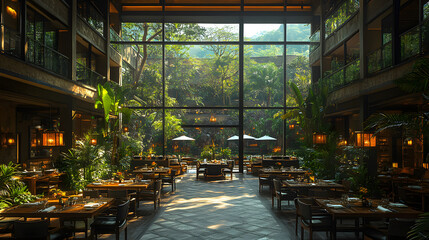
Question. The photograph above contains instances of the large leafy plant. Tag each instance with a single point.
(13, 191)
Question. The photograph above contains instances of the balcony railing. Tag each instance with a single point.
(88, 76)
(314, 40)
(380, 58)
(342, 76)
(47, 58)
(114, 37)
(415, 41)
(12, 41)
(91, 15)
(346, 10)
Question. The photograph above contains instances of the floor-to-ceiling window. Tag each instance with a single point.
(212, 81)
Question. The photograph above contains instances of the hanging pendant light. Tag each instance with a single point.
(52, 138)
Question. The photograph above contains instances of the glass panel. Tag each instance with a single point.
(297, 71)
(410, 43)
(298, 32)
(340, 16)
(315, 40)
(426, 10)
(201, 32)
(144, 32)
(145, 78)
(209, 143)
(207, 116)
(264, 32)
(202, 75)
(146, 127)
(258, 123)
(352, 71)
(380, 59)
(263, 76)
(91, 15)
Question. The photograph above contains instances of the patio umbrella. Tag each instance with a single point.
(183, 138)
(266, 138)
(245, 137)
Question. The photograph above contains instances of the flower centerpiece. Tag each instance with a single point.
(57, 193)
(119, 176)
(363, 191)
(154, 165)
(308, 175)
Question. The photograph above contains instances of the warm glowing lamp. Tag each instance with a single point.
(213, 118)
(291, 126)
(319, 138)
(52, 138)
(93, 141)
(410, 142)
(11, 12)
(125, 129)
(426, 165)
(395, 165)
(365, 139)
(11, 141)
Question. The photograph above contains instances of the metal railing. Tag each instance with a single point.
(335, 20)
(88, 76)
(342, 76)
(380, 58)
(114, 37)
(314, 40)
(48, 58)
(12, 41)
(415, 41)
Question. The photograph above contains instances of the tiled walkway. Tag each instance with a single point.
(221, 209)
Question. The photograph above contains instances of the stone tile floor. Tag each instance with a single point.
(216, 209)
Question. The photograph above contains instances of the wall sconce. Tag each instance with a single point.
(365, 139)
(319, 138)
(11, 12)
(125, 129)
(7, 139)
(426, 165)
(408, 141)
(395, 165)
(52, 138)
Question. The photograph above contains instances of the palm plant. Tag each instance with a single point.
(420, 230)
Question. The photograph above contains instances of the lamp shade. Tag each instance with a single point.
(319, 138)
(52, 138)
(365, 139)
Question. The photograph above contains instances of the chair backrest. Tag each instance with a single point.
(91, 193)
(398, 228)
(118, 194)
(231, 164)
(277, 185)
(30, 230)
(214, 170)
(173, 173)
(305, 210)
(122, 213)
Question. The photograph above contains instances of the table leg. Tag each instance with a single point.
(423, 202)
(334, 228)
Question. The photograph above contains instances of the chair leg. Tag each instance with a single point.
(302, 233)
(296, 225)
(126, 232)
(311, 233)
(279, 204)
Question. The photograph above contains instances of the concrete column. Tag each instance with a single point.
(107, 37)
(322, 36)
(72, 36)
(362, 39)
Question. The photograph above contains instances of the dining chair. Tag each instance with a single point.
(153, 194)
(409, 198)
(316, 210)
(396, 230)
(112, 224)
(264, 180)
(200, 169)
(282, 194)
(120, 197)
(312, 222)
(170, 179)
(37, 230)
(214, 171)
(230, 168)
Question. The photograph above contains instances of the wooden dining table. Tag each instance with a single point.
(282, 171)
(137, 186)
(355, 210)
(164, 170)
(422, 191)
(321, 184)
(53, 209)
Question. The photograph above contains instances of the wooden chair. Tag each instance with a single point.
(230, 168)
(316, 210)
(112, 224)
(282, 194)
(120, 197)
(264, 180)
(311, 222)
(153, 194)
(214, 171)
(200, 169)
(397, 230)
(170, 180)
(37, 230)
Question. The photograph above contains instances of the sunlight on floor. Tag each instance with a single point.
(218, 202)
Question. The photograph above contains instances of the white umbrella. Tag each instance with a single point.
(266, 138)
(183, 138)
(245, 137)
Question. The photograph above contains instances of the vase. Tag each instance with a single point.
(365, 202)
